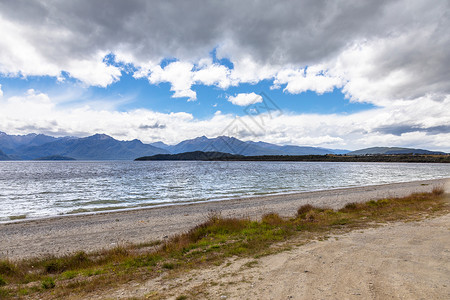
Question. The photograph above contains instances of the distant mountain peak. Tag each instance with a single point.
(135, 142)
(224, 137)
(159, 145)
(200, 138)
(100, 136)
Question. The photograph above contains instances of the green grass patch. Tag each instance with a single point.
(209, 243)
(69, 274)
(18, 217)
(2, 281)
(7, 268)
(48, 283)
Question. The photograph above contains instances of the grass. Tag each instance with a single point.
(48, 283)
(2, 281)
(210, 243)
(18, 217)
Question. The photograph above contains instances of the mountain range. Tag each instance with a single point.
(103, 147)
(392, 150)
(234, 146)
(96, 147)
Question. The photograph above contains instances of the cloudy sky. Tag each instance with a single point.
(336, 74)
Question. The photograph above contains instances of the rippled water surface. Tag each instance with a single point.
(39, 189)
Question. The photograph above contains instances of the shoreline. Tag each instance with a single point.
(95, 231)
(237, 198)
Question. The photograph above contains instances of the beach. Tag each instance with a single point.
(395, 261)
(91, 232)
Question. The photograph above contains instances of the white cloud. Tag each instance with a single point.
(94, 71)
(213, 74)
(1, 92)
(422, 123)
(244, 99)
(179, 74)
(19, 56)
(315, 78)
(182, 75)
(247, 70)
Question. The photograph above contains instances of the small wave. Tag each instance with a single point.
(97, 209)
(94, 202)
(78, 211)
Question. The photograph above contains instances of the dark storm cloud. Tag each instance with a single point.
(400, 129)
(275, 32)
(271, 32)
(153, 126)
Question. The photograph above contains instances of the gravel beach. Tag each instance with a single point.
(67, 234)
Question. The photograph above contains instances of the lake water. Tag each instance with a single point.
(41, 189)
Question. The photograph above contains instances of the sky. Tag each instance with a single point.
(335, 74)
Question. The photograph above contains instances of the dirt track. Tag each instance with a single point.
(397, 261)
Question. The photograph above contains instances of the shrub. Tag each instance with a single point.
(48, 283)
(4, 293)
(2, 281)
(7, 268)
(372, 203)
(69, 274)
(75, 261)
(169, 266)
(437, 191)
(350, 206)
(304, 209)
(342, 221)
(272, 219)
(53, 266)
(382, 202)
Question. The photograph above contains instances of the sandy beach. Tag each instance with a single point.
(67, 234)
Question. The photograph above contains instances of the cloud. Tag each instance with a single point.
(315, 78)
(38, 112)
(182, 75)
(245, 99)
(22, 54)
(392, 54)
(399, 129)
(154, 126)
(1, 92)
(376, 50)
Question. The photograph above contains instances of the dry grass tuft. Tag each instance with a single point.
(272, 219)
(438, 191)
(304, 209)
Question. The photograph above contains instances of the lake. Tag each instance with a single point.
(33, 189)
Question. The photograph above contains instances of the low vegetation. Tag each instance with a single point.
(220, 156)
(209, 243)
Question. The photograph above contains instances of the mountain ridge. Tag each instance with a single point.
(392, 150)
(3, 156)
(104, 147)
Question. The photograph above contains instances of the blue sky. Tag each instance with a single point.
(343, 76)
(133, 93)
